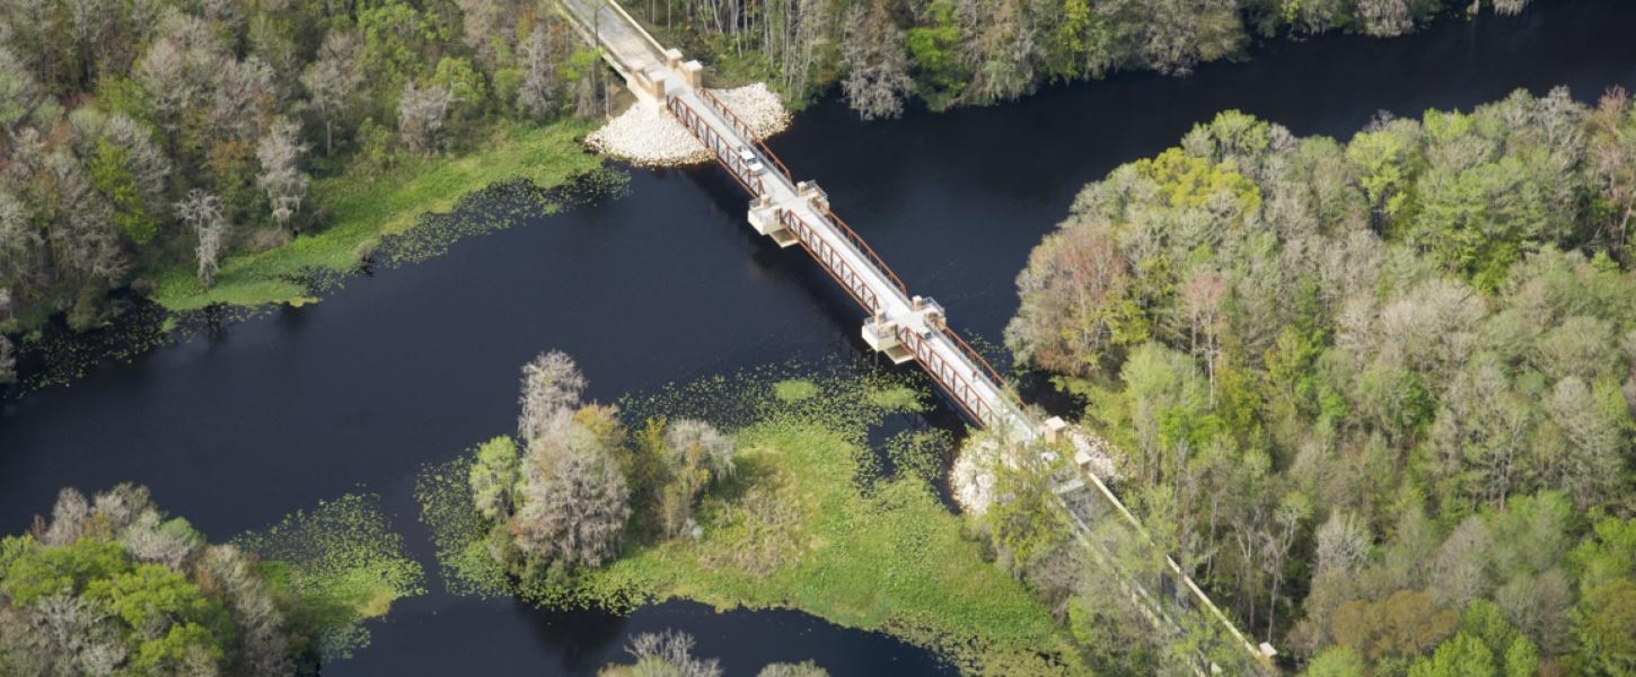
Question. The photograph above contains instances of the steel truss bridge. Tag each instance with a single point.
(900, 325)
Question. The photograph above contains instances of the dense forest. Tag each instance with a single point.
(140, 136)
(1377, 396)
(883, 53)
(109, 585)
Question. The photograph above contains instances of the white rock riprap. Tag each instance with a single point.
(649, 138)
(972, 477)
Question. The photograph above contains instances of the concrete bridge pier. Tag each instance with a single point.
(885, 334)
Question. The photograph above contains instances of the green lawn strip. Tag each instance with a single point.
(893, 562)
(361, 211)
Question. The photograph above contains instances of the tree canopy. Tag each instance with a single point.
(1377, 395)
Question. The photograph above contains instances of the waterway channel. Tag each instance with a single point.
(237, 428)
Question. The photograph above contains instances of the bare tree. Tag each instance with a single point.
(243, 100)
(61, 636)
(20, 94)
(68, 518)
(264, 644)
(1460, 570)
(551, 389)
(803, 669)
(688, 437)
(876, 60)
(1343, 544)
(538, 92)
(83, 239)
(333, 80)
(421, 114)
(203, 212)
(279, 153)
(149, 539)
(1202, 297)
(670, 653)
(21, 245)
(8, 362)
(696, 455)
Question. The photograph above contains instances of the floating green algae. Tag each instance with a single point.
(459, 533)
(345, 563)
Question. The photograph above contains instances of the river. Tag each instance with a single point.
(238, 428)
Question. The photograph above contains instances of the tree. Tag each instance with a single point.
(537, 94)
(8, 362)
(572, 501)
(264, 644)
(1025, 522)
(935, 45)
(1612, 159)
(421, 113)
(1338, 661)
(551, 388)
(1607, 627)
(1462, 656)
(696, 455)
(1077, 302)
(1385, 18)
(279, 151)
(803, 669)
(667, 653)
(1590, 466)
(202, 211)
(876, 60)
(494, 477)
(333, 81)
(20, 94)
(111, 586)
(1407, 624)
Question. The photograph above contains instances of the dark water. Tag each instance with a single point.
(410, 367)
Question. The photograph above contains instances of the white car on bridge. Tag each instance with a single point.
(751, 161)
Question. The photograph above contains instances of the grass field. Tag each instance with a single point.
(361, 211)
(894, 561)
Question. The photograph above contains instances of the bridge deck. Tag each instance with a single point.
(918, 327)
(800, 213)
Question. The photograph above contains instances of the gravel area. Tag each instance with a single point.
(648, 138)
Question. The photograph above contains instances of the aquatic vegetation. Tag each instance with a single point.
(344, 561)
(794, 390)
(791, 526)
(459, 532)
(362, 213)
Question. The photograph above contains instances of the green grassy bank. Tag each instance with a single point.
(360, 211)
(793, 531)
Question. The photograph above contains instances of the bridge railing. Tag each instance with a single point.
(951, 376)
(744, 130)
(975, 357)
(868, 251)
(724, 149)
(831, 260)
